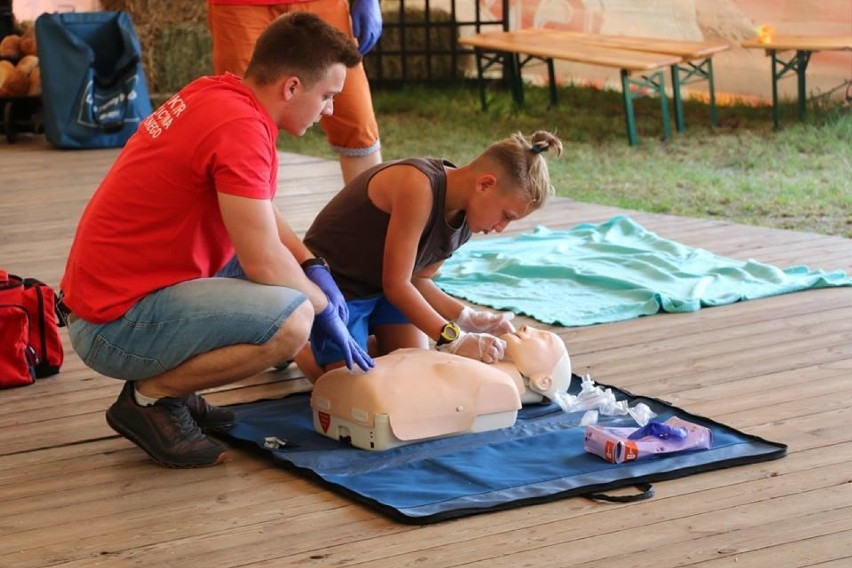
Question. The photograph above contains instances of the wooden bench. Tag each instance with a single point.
(696, 63)
(628, 54)
(507, 47)
(804, 46)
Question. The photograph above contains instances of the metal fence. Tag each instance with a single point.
(419, 42)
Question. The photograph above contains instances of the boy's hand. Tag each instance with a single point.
(481, 346)
(483, 321)
(329, 327)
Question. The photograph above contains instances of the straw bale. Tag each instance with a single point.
(175, 40)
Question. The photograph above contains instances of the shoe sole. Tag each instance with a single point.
(130, 436)
(217, 429)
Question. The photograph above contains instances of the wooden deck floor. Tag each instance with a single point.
(74, 494)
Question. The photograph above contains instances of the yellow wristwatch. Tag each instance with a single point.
(449, 333)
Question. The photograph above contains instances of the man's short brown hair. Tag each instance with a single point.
(300, 44)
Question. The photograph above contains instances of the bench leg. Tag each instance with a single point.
(680, 125)
(714, 115)
(802, 59)
(680, 76)
(656, 82)
(480, 78)
(799, 64)
(775, 78)
(516, 78)
(627, 99)
(551, 78)
(660, 82)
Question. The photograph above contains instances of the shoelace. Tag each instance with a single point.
(182, 419)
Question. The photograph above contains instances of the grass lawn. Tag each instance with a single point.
(798, 178)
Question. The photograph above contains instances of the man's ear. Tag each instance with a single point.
(288, 87)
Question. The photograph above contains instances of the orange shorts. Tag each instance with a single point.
(352, 129)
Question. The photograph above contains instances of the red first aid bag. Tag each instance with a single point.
(30, 345)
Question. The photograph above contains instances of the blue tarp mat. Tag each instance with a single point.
(539, 459)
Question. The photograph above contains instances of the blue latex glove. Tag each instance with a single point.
(329, 327)
(320, 275)
(366, 23)
(659, 430)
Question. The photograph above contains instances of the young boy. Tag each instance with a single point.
(386, 234)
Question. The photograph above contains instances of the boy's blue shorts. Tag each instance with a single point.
(364, 313)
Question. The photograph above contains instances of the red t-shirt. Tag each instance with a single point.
(155, 221)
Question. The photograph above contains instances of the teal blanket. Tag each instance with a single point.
(609, 272)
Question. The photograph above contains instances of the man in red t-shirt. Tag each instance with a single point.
(183, 274)
(352, 131)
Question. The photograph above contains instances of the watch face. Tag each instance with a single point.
(451, 332)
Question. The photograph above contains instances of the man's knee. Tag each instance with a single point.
(293, 333)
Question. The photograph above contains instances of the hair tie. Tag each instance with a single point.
(537, 149)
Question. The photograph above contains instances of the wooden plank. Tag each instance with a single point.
(801, 43)
(557, 48)
(75, 494)
(687, 50)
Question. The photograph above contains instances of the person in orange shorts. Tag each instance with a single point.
(352, 131)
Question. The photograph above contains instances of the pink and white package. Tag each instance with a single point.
(619, 445)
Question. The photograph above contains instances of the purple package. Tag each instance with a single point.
(613, 445)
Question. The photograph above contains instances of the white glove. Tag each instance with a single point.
(480, 346)
(495, 323)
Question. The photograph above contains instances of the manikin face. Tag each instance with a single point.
(540, 356)
(306, 106)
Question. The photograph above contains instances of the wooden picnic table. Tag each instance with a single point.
(688, 60)
(804, 47)
(508, 46)
(696, 62)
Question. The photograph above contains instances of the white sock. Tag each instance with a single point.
(143, 400)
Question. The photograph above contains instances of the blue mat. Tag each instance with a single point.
(539, 459)
(610, 272)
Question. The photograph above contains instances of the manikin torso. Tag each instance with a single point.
(420, 394)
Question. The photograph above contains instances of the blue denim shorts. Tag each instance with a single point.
(363, 315)
(172, 325)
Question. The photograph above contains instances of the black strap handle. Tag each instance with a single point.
(646, 492)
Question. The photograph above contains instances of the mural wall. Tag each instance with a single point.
(740, 73)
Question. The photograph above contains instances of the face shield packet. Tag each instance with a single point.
(615, 445)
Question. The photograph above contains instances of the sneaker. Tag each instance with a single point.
(164, 430)
(208, 417)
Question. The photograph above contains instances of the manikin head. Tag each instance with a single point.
(541, 358)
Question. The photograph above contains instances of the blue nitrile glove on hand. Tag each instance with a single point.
(366, 23)
(329, 327)
(318, 273)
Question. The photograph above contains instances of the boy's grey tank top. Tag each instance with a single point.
(350, 232)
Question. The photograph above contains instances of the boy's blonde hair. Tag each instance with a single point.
(520, 161)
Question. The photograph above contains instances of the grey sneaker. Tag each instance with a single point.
(208, 417)
(165, 431)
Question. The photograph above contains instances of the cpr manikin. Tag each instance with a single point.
(417, 394)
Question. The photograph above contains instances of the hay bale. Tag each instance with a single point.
(174, 37)
(182, 53)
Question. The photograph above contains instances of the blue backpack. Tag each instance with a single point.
(94, 93)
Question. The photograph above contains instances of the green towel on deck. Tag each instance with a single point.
(610, 272)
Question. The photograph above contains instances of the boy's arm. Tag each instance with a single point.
(448, 307)
(404, 192)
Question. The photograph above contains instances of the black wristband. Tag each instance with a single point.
(314, 262)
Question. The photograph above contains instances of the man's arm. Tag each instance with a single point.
(265, 257)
